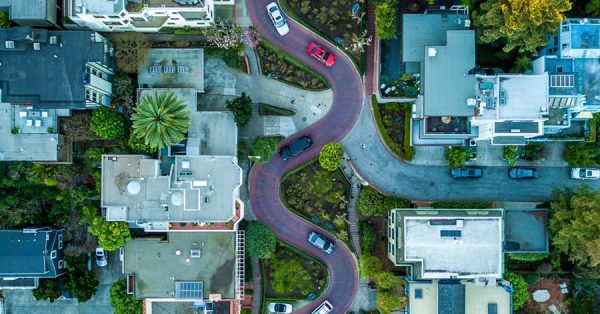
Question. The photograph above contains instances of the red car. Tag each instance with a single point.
(320, 54)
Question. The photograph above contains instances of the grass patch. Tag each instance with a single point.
(284, 67)
(230, 56)
(463, 204)
(393, 121)
(268, 110)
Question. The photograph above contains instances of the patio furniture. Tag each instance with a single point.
(22, 114)
(29, 122)
(44, 114)
(38, 123)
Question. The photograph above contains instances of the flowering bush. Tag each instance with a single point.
(251, 37)
(225, 35)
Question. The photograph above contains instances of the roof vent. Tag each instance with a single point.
(431, 52)
(36, 46)
(53, 40)
(9, 44)
(194, 253)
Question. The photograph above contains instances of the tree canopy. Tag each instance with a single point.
(331, 156)
(131, 49)
(372, 203)
(260, 240)
(520, 293)
(386, 14)
(575, 225)
(111, 234)
(107, 123)
(457, 156)
(289, 275)
(519, 24)
(262, 148)
(241, 107)
(122, 302)
(48, 289)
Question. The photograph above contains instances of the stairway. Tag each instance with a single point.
(355, 185)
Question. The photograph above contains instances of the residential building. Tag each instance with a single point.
(173, 68)
(31, 12)
(143, 15)
(29, 255)
(526, 230)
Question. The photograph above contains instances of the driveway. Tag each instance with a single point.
(265, 178)
(418, 182)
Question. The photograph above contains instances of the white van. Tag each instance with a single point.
(324, 308)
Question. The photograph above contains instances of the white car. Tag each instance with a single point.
(280, 308)
(324, 308)
(277, 18)
(101, 258)
(585, 173)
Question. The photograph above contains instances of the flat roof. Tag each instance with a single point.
(528, 227)
(478, 298)
(197, 189)
(477, 251)
(28, 9)
(427, 303)
(173, 67)
(215, 132)
(108, 7)
(584, 35)
(525, 96)
(157, 267)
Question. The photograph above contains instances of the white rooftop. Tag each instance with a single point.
(476, 252)
(525, 95)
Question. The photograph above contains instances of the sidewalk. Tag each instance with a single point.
(490, 155)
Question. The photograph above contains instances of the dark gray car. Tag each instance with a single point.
(295, 147)
(467, 172)
(522, 173)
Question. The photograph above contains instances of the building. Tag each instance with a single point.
(143, 15)
(526, 230)
(31, 12)
(173, 68)
(185, 270)
(30, 254)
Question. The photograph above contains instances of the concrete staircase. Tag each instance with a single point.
(355, 185)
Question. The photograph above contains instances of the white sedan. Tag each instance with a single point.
(585, 173)
(277, 18)
(280, 308)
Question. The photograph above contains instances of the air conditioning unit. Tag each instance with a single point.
(195, 253)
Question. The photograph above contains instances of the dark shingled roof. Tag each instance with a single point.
(27, 254)
(451, 298)
(49, 78)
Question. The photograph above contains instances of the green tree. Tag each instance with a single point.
(48, 289)
(331, 156)
(260, 240)
(80, 281)
(131, 50)
(533, 151)
(522, 64)
(262, 148)
(43, 174)
(161, 119)
(5, 21)
(580, 154)
(369, 265)
(385, 20)
(593, 8)
(575, 225)
(289, 275)
(241, 107)
(388, 301)
(510, 153)
(519, 24)
(107, 123)
(528, 257)
(457, 156)
(122, 302)
(111, 234)
(137, 145)
(520, 293)
(386, 280)
(372, 203)
(123, 90)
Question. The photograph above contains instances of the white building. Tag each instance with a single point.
(142, 15)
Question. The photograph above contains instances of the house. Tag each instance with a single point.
(143, 15)
(31, 12)
(173, 68)
(454, 257)
(526, 230)
(29, 255)
(186, 270)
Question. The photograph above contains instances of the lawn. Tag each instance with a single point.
(393, 121)
(290, 274)
(281, 66)
(319, 196)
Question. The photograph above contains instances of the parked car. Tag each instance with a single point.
(280, 308)
(467, 172)
(295, 147)
(277, 18)
(522, 173)
(320, 242)
(585, 173)
(324, 308)
(320, 54)
(101, 258)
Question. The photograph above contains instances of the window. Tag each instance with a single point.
(61, 264)
(88, 94)
(53, 254)
(60, 241)
(562, 80)
(418, 293)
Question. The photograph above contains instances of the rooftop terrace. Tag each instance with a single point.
(171, 68)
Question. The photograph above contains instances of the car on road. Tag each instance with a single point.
(467, 172)
(522, 173)
(324, 308)
(320, 54)
(295, 147)
(585, 173)
(320, 242)
(277, 18)
(101, 258)
(280, 308)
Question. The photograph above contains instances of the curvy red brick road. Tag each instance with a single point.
(266, 178)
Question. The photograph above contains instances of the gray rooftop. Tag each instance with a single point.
(197, 189)
(27, 254)
(108, 7)
(157, 266)
(172, 67)
(214, 133)
(451, 298)
(527, 226)
(447, 83)
(29, 9)
(52, 77)
(517, 127)
(525, 96)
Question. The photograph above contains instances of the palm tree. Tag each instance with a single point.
(161, 119)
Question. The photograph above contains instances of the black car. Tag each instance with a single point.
(522, 173)
(295, 147)
(467, 172)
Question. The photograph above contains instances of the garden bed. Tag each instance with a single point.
(302, 275)
(232, 57)
(320, 196)
(280, 66)
(393, 121)
(556, 297)
(268, 110)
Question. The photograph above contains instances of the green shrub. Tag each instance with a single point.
(268, 110)
(331, 156)
(369, 266)
(405, 152)
(368, 239)
(464, 204)
(533, 150)
(580, 154)
(241, 107)
(230, 56)
(457, 156)
(122, 302)
(520, 293)
(107, 123)
(372, 203)
(385, 20)
(260, 240)
(15, 130)
(137, 145)
(528, 257)
(510, 153)
(263, 147)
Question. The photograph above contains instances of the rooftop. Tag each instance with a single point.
(214, 133)
(528, 228)
(108, 7)
(525, 95)
(27, 253)
(27, 9)
(584, 33)
(172, 67)
(53, 76)
(159, 265)
(450, 246)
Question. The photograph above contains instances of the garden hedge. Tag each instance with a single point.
(405, 152)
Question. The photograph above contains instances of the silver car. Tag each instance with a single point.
(320, 242)
(324, 308)
(280, 308)
(277, 18)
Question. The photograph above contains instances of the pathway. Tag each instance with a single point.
(355, 185)
(257, 287)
